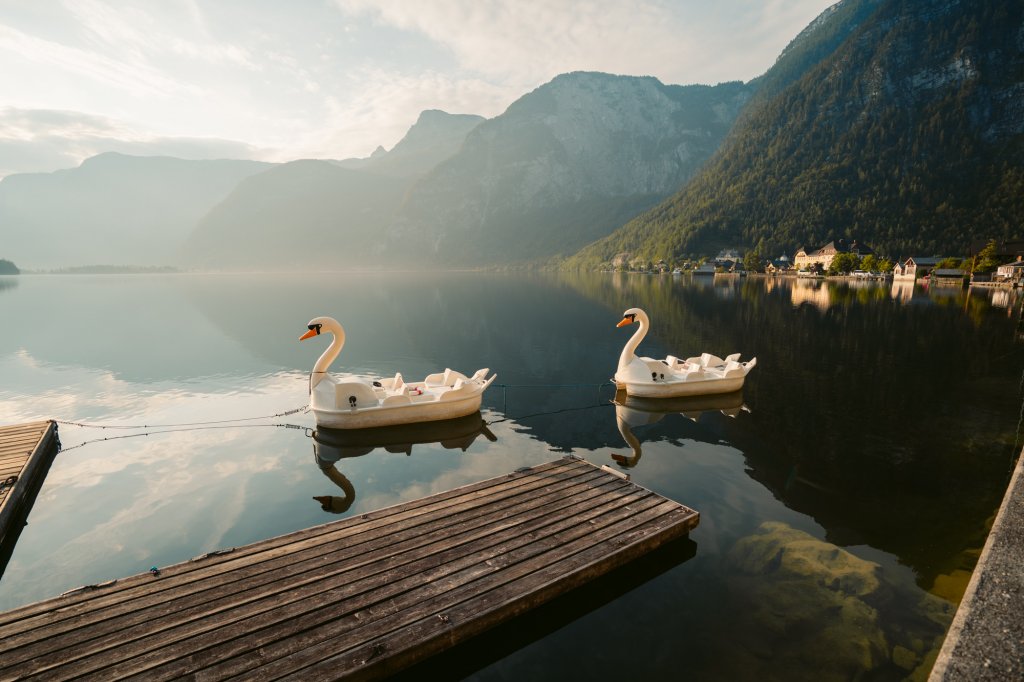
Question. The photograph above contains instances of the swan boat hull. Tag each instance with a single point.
(706, 375)
(373, 417)
(359, 403)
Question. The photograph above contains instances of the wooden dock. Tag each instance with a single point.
(26, 452)
(362, 597)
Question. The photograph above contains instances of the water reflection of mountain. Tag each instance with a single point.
(332, 446)
(7, 283)
(531, 332)
(137, 327)
(874, 418)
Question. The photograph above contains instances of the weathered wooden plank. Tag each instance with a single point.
(42, 613)
(370, 589)
(291, 575)
(22, 452)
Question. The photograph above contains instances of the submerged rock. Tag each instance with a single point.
(805, 608)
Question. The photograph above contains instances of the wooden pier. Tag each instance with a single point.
(26, 452)
(362, 597)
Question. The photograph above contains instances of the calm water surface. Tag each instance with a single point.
(844, 495)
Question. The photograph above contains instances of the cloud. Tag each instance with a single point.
(530, 41)
(136, 77)
(45, 139)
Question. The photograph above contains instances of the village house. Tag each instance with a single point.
(1011, 272)
(914, 267)
(806, 257)
(779, 265)
(727, 255)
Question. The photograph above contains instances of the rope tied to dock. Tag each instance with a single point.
(297, 410)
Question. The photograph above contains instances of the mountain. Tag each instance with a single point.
(563, 165)
(300, 214)
(907, 136)
(113, 208)
(434, 137)
(323, 214)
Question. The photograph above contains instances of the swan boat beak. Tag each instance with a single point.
(628, 319)
(314, 329)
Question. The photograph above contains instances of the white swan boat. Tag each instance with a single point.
(354, 402)
(672, 377)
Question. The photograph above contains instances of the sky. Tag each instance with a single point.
(278, 80)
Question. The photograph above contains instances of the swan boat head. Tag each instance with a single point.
(316, 327)
(628, 359)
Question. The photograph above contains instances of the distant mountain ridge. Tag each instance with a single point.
(907, 136)
(565, 164)
(113, 208)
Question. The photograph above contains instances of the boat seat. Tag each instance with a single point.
(734, 369)
(709, 360)
(399, 398)
(447, 378)
(393, 384)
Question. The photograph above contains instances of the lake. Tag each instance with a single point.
(844, 495)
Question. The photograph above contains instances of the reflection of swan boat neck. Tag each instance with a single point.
(672, 377)
(633, 411)
(330, 445)
(354, 402)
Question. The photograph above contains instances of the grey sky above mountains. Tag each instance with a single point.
(257, 79)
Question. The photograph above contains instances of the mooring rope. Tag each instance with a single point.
(304, 408)
(309, 432)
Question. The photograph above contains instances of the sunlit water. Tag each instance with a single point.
(843, 496)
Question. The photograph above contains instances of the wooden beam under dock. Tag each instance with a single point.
(361, 597)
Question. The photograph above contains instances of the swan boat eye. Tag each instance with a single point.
(314, 327)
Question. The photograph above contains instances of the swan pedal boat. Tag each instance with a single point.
(674, 378)
(355, 402)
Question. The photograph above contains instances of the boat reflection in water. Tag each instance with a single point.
(331, 445)
(631, 412)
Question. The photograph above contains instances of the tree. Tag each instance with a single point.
(986, 260)
(885, 265)
(869, 263)
(951, 263)
(843, 263)
(752, 261)
(8, 268)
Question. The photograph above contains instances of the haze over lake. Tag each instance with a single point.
(872, 443)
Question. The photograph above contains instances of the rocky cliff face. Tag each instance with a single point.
(563, 164)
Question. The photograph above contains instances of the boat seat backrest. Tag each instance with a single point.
(709, 360)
